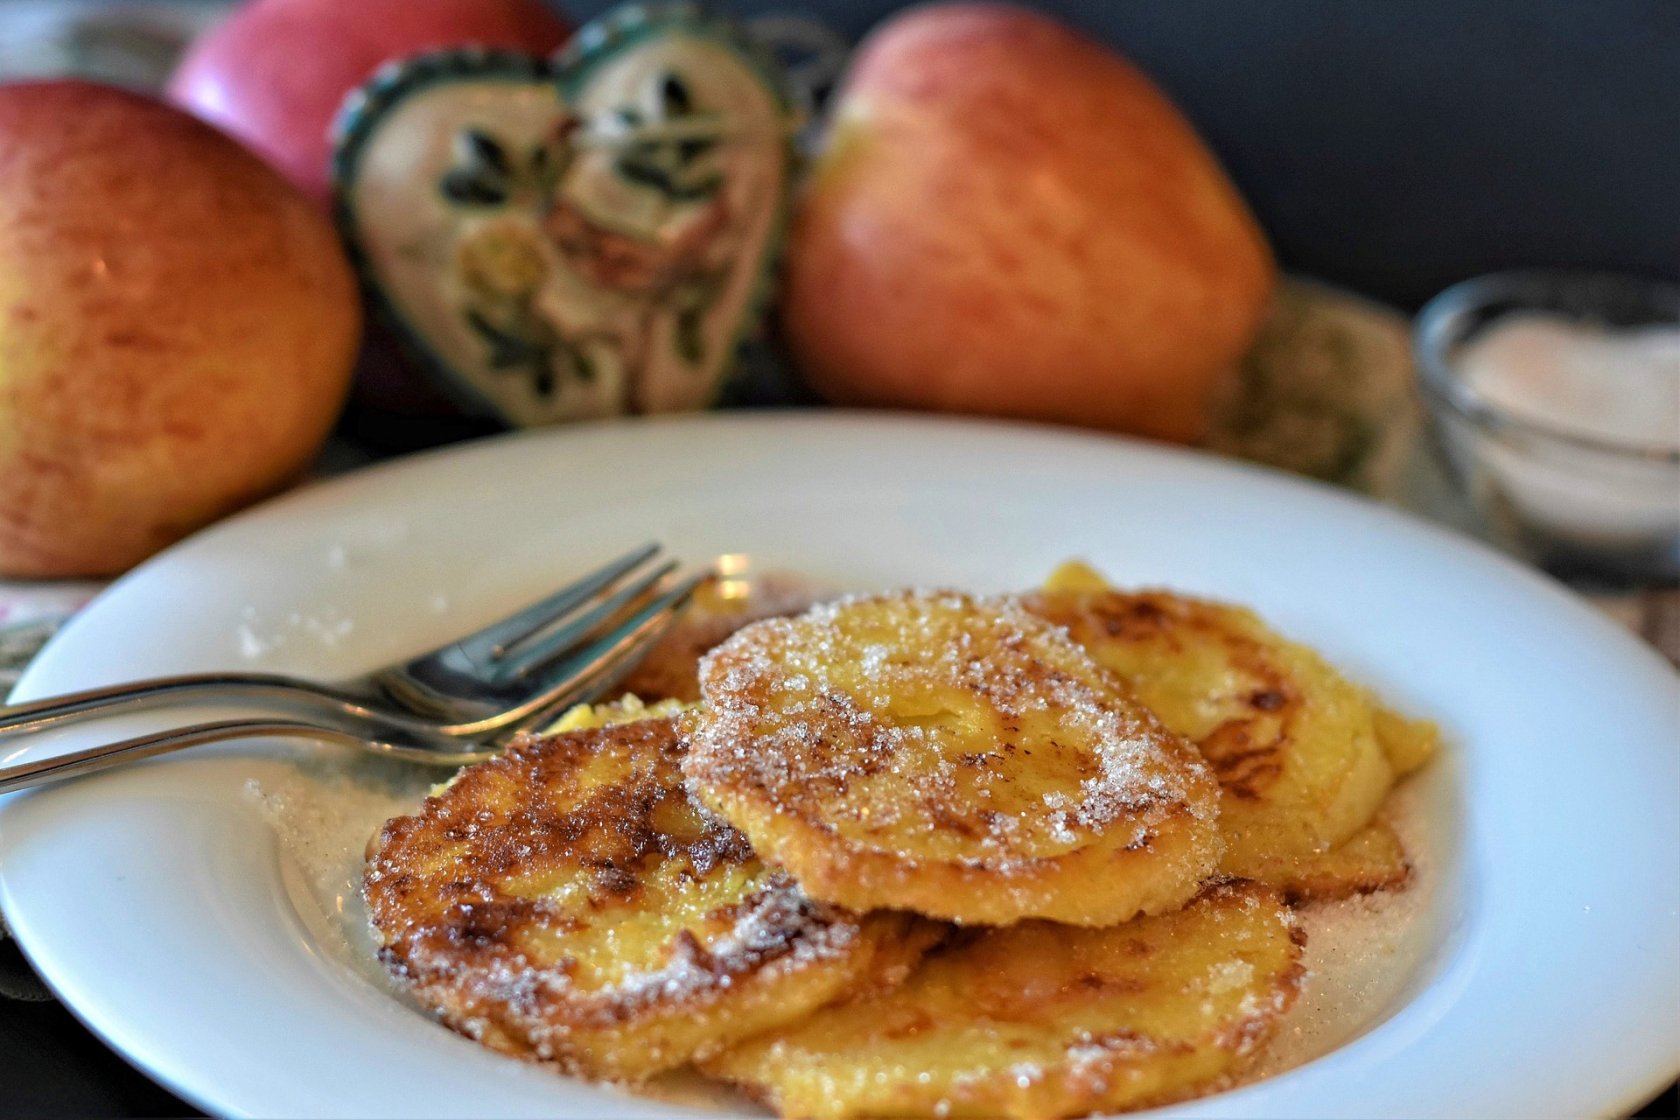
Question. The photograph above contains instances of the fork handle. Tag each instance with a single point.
(103, 757)
(73, 707)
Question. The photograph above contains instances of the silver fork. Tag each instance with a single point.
(567, 648)
(375, 736)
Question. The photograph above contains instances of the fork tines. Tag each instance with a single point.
(591, 627)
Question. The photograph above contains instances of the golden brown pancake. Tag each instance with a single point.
(568, 902)
(949, 755)
(1303, 756)
(1038, 1020)
(671, 669)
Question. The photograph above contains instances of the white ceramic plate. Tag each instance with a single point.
(160, 905)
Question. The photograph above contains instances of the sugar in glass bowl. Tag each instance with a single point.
(1555, 398)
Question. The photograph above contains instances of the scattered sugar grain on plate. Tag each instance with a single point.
(252, 645)
(323, 810)
(255, 640)
(257, 637)
(1361, 952)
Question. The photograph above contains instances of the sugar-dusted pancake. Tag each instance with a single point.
(1039, 1020)
(721, 606)
(1302, 754)
(569, 902)
(950, 755)
(1372, 859)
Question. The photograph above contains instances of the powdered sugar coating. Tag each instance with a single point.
(935, 728)
(568, 902)
(1295, 745)
(720, 607)
(1038, 1020)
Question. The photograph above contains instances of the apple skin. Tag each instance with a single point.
(275, 72)
(177, 328)
(1010, 219)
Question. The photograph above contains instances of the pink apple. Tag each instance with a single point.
(275, 73)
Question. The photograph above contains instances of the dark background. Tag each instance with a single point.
(1397, 146)
(1394, 146)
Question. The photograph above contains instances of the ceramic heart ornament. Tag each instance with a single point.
(575, 237)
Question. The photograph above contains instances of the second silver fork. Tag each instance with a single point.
(374, 736)
(566, 649)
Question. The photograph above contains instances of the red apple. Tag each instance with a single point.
(275, 72)
(177, 328)
(1011, 219)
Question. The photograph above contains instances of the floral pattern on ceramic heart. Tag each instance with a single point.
(584, 236)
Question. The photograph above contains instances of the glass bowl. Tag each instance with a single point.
(1583, 506)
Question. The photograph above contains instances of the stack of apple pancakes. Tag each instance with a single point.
(912, 854)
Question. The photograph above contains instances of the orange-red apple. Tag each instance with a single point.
(177, 327)
(1010, 219)
(275, 72)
